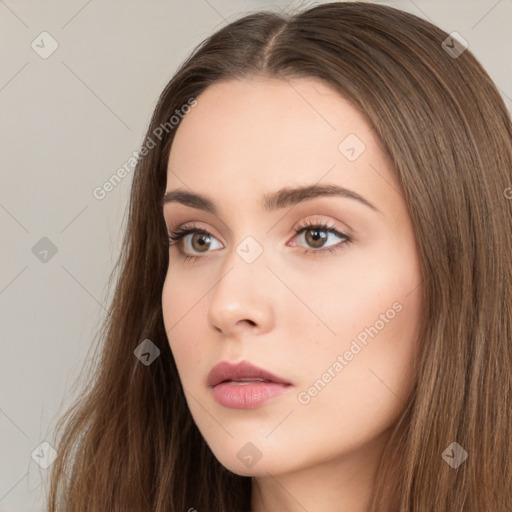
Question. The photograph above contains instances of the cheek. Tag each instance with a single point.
(376, 320)
(370, 386)
(363, 298)
(386, 313)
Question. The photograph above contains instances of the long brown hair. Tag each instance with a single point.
(130, 443)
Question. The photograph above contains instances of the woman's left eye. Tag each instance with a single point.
(316, 234)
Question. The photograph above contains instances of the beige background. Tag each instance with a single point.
(67, 123)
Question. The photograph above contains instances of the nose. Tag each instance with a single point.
(241, 300)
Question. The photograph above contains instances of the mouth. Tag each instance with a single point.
(241, 372)
(244, 385)
(244, 381)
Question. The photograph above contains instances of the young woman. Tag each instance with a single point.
(313, 308)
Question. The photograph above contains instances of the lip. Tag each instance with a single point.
(225, 371)
(243, 385)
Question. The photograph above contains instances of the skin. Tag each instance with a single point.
(289, 312)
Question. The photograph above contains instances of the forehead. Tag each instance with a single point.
(263, 134)
(272, 113)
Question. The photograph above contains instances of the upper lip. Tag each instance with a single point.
(225, 371)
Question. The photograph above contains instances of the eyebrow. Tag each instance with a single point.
(272, 201)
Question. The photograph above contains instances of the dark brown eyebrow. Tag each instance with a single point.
(272, 201)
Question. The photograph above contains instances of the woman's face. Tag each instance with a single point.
(333, 314)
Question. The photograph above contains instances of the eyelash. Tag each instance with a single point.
(181, 232)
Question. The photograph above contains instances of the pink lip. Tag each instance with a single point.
(225, 370)
(232, 387)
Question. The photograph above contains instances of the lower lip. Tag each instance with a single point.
(237, 395)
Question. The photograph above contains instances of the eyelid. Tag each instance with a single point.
(308, 222)
(326, 224)
(190, 227)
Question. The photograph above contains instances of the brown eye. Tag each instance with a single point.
(200, 241)
(315, 237)
(191, 241)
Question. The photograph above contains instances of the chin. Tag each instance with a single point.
(244, 459)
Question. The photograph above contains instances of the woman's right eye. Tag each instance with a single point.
(180, 237)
